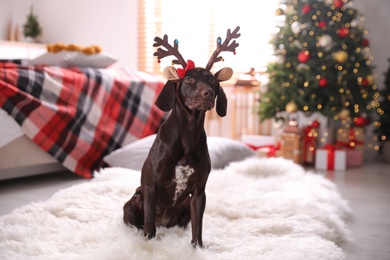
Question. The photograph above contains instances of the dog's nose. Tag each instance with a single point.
(208, 93)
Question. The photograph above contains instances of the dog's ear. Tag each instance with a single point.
(166, 99)
(221, 106)
(224, 74)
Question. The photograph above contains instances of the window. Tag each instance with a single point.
(197, 24)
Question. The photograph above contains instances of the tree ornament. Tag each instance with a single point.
(338, 3)
(326, 41)
(361, 121)
(296, 27)
(365, 42)
(322, 82)
(306, 8)
(341, 56)
(343, 32)
(370, 79)
(322, 24)
(279, 12)
(303, 56)
(365, 82)
(343, 114)
(291, 107)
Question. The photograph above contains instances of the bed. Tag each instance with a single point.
(56, 118)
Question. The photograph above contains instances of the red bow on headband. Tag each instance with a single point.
(182, 72)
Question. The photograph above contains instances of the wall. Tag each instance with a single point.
(377, 22)
(113, 25)
(110, 24)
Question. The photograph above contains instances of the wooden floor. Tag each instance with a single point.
(367, 189)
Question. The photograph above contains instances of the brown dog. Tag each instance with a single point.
(174, 175)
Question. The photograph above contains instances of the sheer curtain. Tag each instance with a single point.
(197, 24)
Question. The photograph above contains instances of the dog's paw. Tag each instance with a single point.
(150, 235)
(196, 243)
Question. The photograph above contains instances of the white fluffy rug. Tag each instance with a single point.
(256, 209)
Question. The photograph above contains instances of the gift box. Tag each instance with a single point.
(354, 158)
(350, 138)
(331, 158)
(264, 145)
(310, 134)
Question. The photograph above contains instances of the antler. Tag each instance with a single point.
(160, 53)
(225, 46)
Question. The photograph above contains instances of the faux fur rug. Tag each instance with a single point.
(256, 209)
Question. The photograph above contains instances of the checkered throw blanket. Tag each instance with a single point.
(79, 115)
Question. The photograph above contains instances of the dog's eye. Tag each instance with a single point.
(189, 79)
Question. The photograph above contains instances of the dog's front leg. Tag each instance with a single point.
(198, 204)
(150, 211)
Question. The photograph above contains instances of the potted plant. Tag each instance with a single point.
(383, 130)
(32, 29)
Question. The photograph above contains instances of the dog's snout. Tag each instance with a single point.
(208, 93)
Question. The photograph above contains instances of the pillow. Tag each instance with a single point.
(74, 59)
(97, 60)
(222, 152)
(131, 156)
(53, 59)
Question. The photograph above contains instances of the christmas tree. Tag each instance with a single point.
(32, 28)
(323, 62)
(383, 129)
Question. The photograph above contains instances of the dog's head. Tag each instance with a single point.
(197, 90)
(192, 87)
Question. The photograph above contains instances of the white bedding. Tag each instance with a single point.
(9, 129)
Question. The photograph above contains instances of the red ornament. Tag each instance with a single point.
(306, 9)
(322, 24)
(365, 42)
(365, 82)
(361, 121)
(303, 56)
(338, 3)
(322, 82)
(343, 32)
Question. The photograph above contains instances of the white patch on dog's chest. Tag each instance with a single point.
(182, 174)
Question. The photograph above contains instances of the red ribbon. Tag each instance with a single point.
(352, 143)
(331, 149)
(309, 140)
(272, 148)
(182, 72)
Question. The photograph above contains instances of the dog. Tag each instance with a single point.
(175, 172)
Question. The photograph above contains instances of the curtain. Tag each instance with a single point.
(197, 24)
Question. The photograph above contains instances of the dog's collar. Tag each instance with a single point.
(182, 105)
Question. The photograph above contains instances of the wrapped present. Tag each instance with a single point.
(350, 138)
(264, 145)
(310, 134)
(354, 158)
(269, 151)
(331, 158)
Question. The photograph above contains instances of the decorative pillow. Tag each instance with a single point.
(74, 59)
(97, 60)
(53, 59)
(222, 152)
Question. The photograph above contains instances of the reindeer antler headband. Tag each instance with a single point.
(174, 51)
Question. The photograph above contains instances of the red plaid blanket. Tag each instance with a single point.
(79, 115)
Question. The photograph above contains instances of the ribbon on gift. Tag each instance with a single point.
(309, 139)
(272, 148)
(331, 151)
(352, 143)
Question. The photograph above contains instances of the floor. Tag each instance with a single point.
(367, 189)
